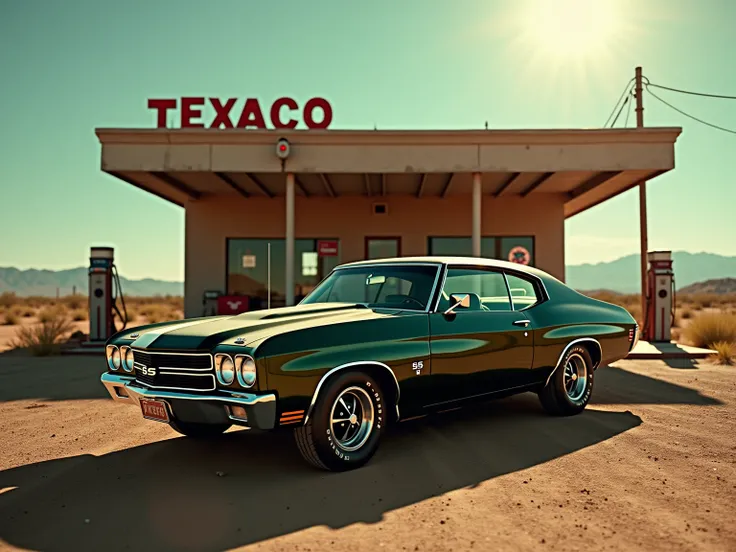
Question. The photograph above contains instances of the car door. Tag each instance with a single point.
(480, 349)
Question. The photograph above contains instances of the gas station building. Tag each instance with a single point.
(333, 196)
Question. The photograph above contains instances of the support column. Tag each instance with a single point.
(477, 199)
(643, 230)
(289, 277)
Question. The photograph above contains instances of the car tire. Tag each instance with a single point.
(346, 423)
(197, 430)
(569, 389)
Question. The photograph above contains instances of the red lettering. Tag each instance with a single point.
(222, 112)
(251, 115)
(276, 112)
(309, 108)
(188, 113)
(161, 107)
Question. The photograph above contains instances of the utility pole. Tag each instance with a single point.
(643, 233)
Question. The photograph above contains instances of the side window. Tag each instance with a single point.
(487, 289)
(523, 292)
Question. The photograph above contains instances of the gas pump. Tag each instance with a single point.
(209, 302)
(104, 291)
(660, 312)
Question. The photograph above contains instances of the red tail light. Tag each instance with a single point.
(632, 333)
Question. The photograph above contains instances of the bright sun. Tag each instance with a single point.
(569, 28)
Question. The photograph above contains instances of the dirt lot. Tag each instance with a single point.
(649, 466)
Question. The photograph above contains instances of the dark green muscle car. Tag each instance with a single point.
(374, 343)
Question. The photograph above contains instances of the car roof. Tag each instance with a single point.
(473, 261)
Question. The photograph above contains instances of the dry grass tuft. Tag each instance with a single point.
(10, 319)
(710, 328)
(51, 313)
(43, 339)
(79, 314)
(725, 353)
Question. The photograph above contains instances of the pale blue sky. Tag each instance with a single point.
(68, 67)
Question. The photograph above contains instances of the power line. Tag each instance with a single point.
(704, 94)
(626, 89)
(628, 112)
(646, 85)
(626, 102)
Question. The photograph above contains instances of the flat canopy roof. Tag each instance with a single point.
(589, 166)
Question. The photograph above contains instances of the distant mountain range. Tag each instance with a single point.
(621, 275)
(46, 283)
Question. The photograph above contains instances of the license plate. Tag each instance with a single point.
(154, 410)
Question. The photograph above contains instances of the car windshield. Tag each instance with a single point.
(389, 286)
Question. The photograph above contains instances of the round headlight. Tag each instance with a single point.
(127, 356)
(115, 358)
(225, 369)
(108, 356)
(246, 370)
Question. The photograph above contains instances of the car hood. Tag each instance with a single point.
(205, 333)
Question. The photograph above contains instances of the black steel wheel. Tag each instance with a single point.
(197, 430)
(571, 385)
(346, 423)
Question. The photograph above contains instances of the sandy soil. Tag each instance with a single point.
(650, 465)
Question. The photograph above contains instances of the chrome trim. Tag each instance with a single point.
(145, 352)
(564, 352)
(508, 291)
(349, 365)
(218, 371)
(110, 381)
(445, 270)
(108, 357)
(237, 372)
(525, 322)
(191, 389)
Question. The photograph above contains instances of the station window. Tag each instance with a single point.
(519, 249)
(247, 268)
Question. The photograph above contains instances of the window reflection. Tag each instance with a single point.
(516, 249)
(247, 269)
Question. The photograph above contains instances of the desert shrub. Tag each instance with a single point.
(709, 328)
(159, 313)
(685, 313)
(74, 302)
(27, 312)
(43, 339)
(8, 299)
(725, 353)
(10, 318)
(79, 315)
(50, 313)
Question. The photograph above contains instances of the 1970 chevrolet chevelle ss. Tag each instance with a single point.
(374, 343)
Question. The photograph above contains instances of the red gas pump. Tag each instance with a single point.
(660, 312)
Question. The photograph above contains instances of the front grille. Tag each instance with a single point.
(180, 372)
(167, 360)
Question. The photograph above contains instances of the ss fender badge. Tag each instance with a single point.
(417, 366)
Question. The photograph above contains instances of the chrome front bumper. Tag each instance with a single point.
(260, 409)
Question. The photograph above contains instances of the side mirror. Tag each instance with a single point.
(458, 300)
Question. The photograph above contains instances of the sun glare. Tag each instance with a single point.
(579, 28)
(567, 30)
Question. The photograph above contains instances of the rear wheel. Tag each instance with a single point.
(198, 431)
(346, 424)
(571, 385)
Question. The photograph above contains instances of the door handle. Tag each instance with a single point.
(524, 323)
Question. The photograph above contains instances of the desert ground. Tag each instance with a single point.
(650, 465)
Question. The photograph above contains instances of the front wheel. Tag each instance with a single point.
(570, 387)
(346, 424)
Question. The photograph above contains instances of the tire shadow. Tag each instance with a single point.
(246, 487)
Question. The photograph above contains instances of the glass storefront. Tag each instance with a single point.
(516, 249)
(248, 271)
